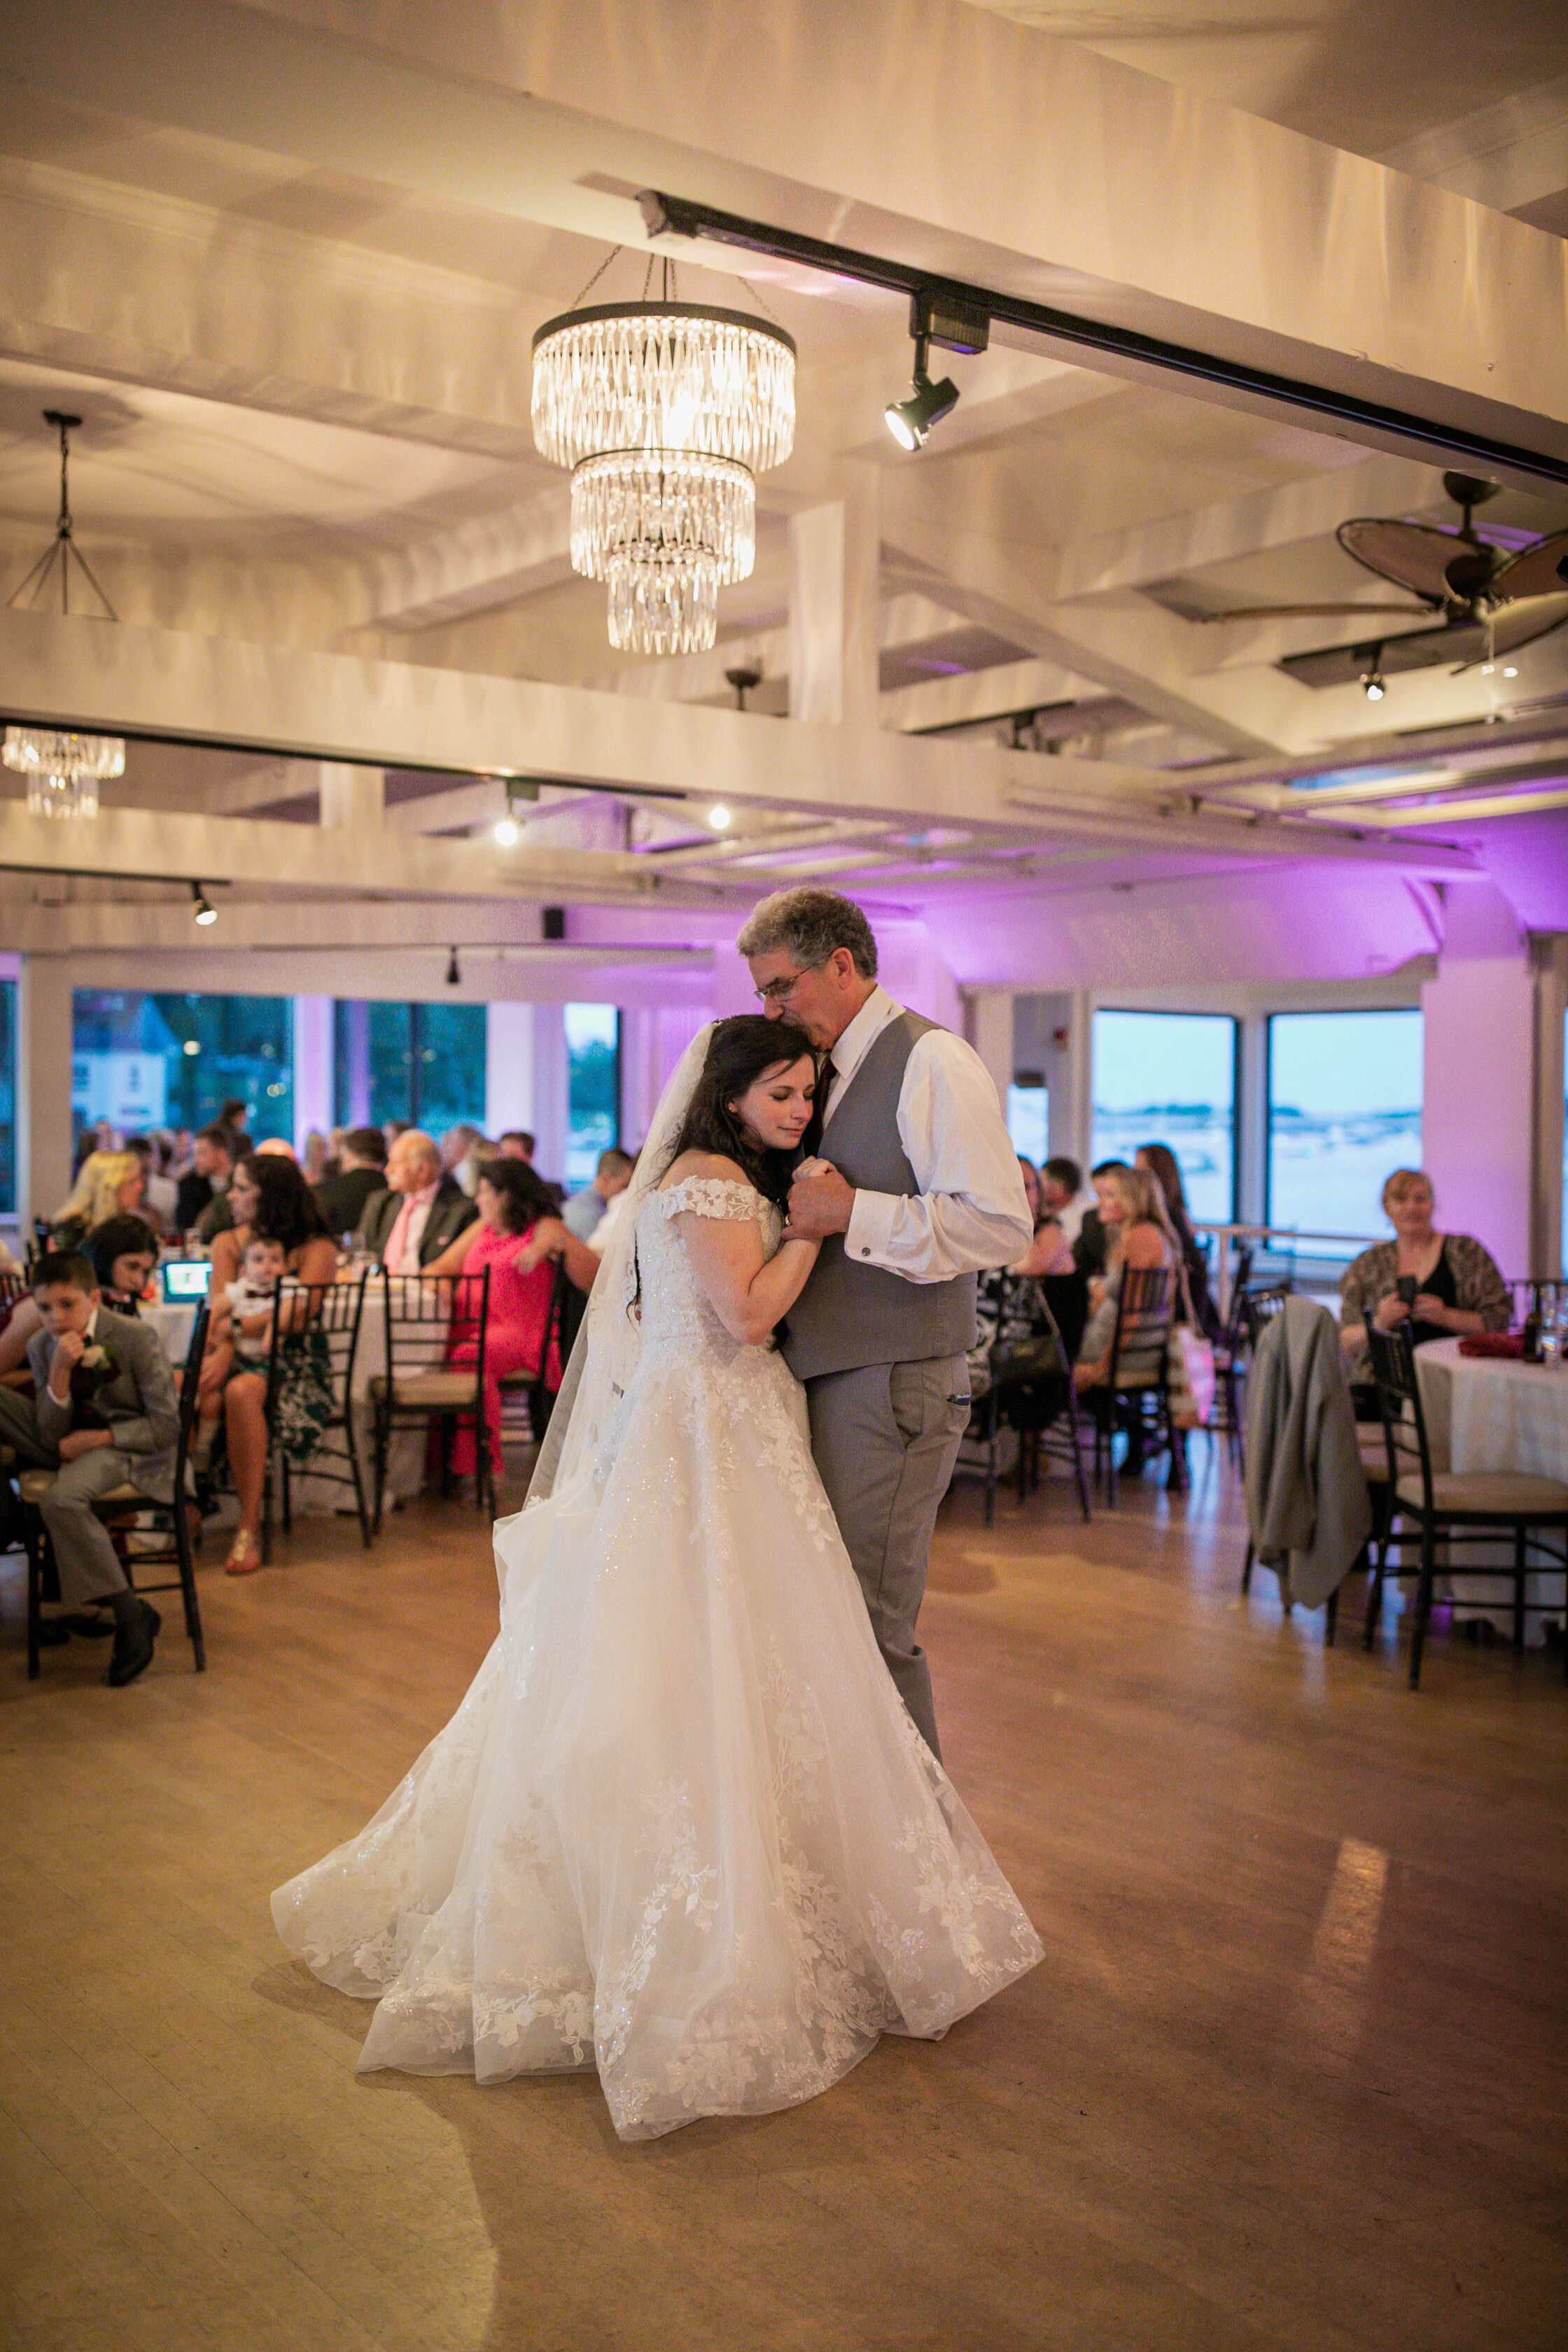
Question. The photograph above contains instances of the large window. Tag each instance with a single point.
(1344, 1110)
(1029, 1117)
(594, 1088)
(142, 1061)
(1170, 1078)
(8, 1098)
(421, 1063)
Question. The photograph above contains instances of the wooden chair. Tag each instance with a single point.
(1145, 1310)
(327, 1316)
(417, 1389)
(170, 1520)
(1484, 1507)
(1229, 1362)
(1260, 1308)
(1034, 1395)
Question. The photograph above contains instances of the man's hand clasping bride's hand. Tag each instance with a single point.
(820, 1202)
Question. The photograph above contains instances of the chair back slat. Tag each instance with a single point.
(1399, 1403)
(422, 1314)
(1260, 1306)
(1145, 1310)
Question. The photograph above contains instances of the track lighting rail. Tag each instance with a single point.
(667, 216)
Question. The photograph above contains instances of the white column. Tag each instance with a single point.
(312, 1055)
(1252, 1119)
(1478, 1110)
(988, 1025)
(352, 796)
(509, 1066)
(44, 1048)
(834, 601)
(551, 1103)
(1070, 1138)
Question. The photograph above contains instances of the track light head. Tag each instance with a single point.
(202, 910)
(912, 419)
(454, 975)
(505, 832)
(1372, 678)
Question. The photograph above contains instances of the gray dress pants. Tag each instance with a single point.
(88, 1566)
(885, 1439)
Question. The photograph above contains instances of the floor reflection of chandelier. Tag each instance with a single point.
(666, 411)
(63, 771)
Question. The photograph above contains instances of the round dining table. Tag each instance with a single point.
(1495, 1412)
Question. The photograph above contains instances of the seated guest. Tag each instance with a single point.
(1091, 1243)
(1450, 1283)
(1050, 1252)
(206, 1177)
(516, 1143)
(458, 1153)
(109, 1185)
(123, 1253)
(1132, 1210)
(105, 1415)
(422, 1209)
(361, 1170)
(1157, 1159)
(313, 1159)
(584, 1209)
(267, 1196)
(1064, 1196)
(160, 1195)
(519, 1236)
(239, 1336)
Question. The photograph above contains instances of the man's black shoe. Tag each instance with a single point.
(87, 1623)
(52, 1635)
(133, 1646)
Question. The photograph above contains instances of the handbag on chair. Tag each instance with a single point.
(1190, 1376)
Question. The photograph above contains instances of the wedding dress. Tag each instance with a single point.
(681, 1827)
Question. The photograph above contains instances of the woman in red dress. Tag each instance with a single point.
(519, 1238)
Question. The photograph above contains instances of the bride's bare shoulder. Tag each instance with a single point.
(712, 1167)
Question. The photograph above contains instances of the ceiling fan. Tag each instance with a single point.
(1490, 603)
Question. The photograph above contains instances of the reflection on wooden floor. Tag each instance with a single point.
(1293, 2073)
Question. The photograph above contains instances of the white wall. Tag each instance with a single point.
(1477, 1119)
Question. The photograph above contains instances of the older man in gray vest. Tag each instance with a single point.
(921, 1191)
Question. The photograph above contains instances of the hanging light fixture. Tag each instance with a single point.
(63, 770)
(666, 411)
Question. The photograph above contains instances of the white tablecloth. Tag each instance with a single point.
(1493, 1412)
(174, 1324)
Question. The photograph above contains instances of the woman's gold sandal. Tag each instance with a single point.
(244, 1555)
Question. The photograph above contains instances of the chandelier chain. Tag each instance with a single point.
(593, 281)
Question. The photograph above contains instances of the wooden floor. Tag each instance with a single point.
(1294, 2072)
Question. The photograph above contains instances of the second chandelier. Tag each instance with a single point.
(666, 411)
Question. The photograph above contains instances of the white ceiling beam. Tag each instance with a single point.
(492, 559)
(980, 694)
(1180, 216)
(119, 282)
(1509, 156)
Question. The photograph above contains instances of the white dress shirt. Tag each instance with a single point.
(1071, 1217)
(971, 1211)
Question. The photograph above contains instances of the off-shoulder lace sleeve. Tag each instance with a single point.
(711, 1196)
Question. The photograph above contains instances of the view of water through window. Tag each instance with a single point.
(1170, 1078)
(1344, 1111)
(593, 1085)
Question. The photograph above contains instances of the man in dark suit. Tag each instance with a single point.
(361, 1171)
(106, 1415)
(421, 1211)
(207, 1176)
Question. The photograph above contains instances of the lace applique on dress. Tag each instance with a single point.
(712, 1196)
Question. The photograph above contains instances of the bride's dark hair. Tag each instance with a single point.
(739, 1052)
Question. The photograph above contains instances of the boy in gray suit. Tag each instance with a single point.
(106, 1415)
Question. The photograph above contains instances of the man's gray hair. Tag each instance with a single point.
(807, 925)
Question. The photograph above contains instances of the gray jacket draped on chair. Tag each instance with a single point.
(1306, 1501)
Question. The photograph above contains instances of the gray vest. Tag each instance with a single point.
(850, 1315)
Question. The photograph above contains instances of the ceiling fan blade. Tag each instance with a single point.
(1519, 625)
(1536, 571)
(1412, 554)
(1294, 612)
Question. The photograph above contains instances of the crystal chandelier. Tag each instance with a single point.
(63, 772)
(665, 412)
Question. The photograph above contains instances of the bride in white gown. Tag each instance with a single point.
(681, 1827)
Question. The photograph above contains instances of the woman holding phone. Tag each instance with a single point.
(1439, 1284)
